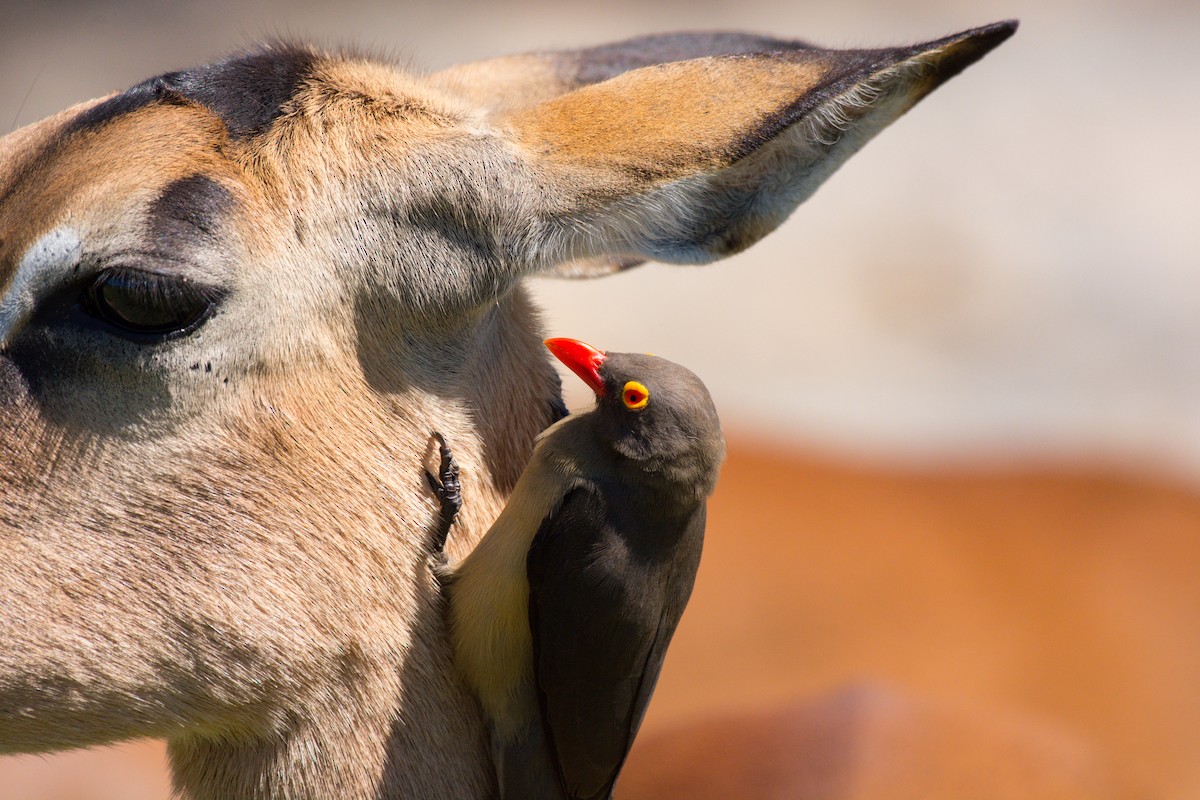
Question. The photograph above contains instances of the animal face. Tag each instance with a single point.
(235, 301)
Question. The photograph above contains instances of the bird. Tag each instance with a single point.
(561, 616)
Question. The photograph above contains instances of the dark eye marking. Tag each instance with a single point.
(147, 307)
(187, 212)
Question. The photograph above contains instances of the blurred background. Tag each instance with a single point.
(957, 534)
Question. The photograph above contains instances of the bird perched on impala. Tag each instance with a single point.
(562, 614)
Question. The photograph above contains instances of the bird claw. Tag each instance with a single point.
(448, 490)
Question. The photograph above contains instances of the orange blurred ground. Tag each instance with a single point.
(1038, 622)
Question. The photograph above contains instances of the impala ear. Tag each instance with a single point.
(693, 160)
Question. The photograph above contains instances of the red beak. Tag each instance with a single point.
(583, 359)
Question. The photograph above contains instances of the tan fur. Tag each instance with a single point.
(591, 128)
(506, 82)
(220, 539)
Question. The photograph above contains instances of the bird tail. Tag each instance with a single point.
(525, 769)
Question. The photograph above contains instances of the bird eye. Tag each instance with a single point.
(635, 395)
(146, 304)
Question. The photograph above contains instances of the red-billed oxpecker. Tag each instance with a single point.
(561, 616)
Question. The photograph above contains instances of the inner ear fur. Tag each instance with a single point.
(696, 159)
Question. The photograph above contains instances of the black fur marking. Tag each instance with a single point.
(152, 91)
(247, 91)
(597, 64)
(187, 212)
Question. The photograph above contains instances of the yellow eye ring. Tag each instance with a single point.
(635, 395)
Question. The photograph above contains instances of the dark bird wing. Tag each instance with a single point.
(607, 585)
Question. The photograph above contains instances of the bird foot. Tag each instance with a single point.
(448, 490)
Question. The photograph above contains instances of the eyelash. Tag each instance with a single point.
(147, 306)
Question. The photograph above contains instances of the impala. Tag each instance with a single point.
(235, 301)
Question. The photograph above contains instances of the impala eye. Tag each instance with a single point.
(147, 304)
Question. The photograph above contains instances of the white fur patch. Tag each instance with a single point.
(42, 268)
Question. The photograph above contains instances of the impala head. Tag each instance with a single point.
(235, 300)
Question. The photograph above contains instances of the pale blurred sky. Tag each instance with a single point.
(1011, 270)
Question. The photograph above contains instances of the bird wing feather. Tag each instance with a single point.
(601, 615)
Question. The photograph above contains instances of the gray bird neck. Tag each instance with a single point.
(686, 473)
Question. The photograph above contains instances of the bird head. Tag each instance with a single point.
(650, 410)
